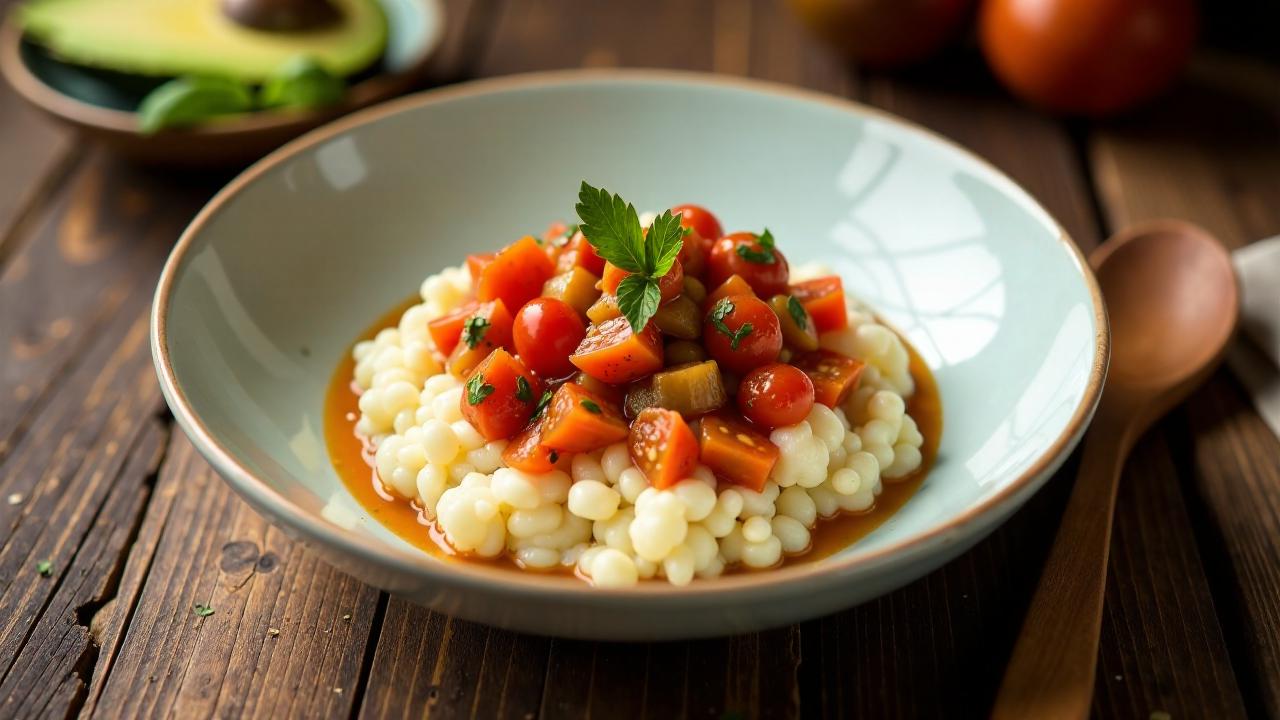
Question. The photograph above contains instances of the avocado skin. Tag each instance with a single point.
(166, 38)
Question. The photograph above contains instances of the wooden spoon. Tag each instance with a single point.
(1172, 299)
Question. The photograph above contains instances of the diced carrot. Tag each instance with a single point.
(477, 262)
(612, 353)
(527, 453)
(733, 285)
(669, 285)
(735, 452)
(580, 253)
(487, 327)
(578, 420)
(500, 395)
(663, 447)
(824, 299)
(516, 274)
(446, 330)
(834, 376)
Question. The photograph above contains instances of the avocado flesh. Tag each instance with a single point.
(193, 37)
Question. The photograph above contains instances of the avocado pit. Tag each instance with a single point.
(282, 15)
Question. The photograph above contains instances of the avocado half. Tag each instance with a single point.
(194, 37)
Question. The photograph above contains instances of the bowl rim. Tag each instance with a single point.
(481, 576)
(87, 115)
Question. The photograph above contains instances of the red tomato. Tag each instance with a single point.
(736, 452)
(486, 328)
(741, 332)
(578, 420)
(884, 32)
(663, 447)
(546, 331)
(446, 330)
(527, 453)
(477, 262)
(612, 353)
(1091, 57)
(823, 299)
(693, 254)
(499, 396)
(833, 375)
(775, 395)
(700, 219)
(764, 268)
(670, 285)
(578, 252)
(516, 274)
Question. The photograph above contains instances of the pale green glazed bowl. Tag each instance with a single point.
(275, 277)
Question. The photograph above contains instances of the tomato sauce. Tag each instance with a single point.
(352, 457)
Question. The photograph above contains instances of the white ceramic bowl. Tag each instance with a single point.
(275, 277)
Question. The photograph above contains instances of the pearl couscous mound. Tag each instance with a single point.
(596, 511)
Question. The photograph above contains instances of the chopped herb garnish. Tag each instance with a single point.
(478, 389)
(45, 568)
(764, 255)
(524, 393)
(203, 610)
(569, 232)
(553, 456)
(719, 313)
(590, 406)
(797, 312)
(473, 331)
(612, 226)
(543, 402)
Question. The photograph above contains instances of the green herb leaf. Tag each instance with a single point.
(478, 389)
(722, 310)
(301, 82)
(473, 331)
(736, 338)
(798, 313)
(190, 101)
(543, 402)
(638, 299)
(612, 226)
(590, 406)
(202, 610)
(524, 393)
(763, 256)
(45, 568)
(663, 244)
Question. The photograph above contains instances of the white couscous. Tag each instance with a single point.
(594, 463)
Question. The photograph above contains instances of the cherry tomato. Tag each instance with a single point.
(1091, 57)
(700, 219)
(775, 395)
(884, 33)
(670, 285)
(546, 331)
(749, 256)
(742, 333)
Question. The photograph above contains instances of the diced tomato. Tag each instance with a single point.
(578, 420)
(484, 329)
(612, 353)
(446, 330)
(546, 331)
(700, 219)
(663, 447)
(824, 299)
(516, 274)
(580, 253)
(527, 453)
(775, 395)
(500, 395)
(834, 376)
(747, 254)
(670, 285)
(741, 333)
(735, 452)
(477, 262)
(734, 285)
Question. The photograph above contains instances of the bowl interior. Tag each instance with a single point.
(277, 281)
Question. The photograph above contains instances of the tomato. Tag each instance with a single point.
(546, 330)
(775, 395)
(663, 447)
(885, 33)
(833, 375)
(527, 453)
(823, 299)
(741, 333)
(693, 254)
(612, 353)
(580, 253)
(670, 285)
(446, 330)
(500, 395)
(700, 219)
(1090, 57)
(612, 393)
(486, 328)
(579, 420)
(749, 256)
(476, 263)
(516, 274)
(735, 451)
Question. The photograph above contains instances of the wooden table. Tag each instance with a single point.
(95, 478)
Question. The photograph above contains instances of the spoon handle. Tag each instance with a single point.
(1051, 673)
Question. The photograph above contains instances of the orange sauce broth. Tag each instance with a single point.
(352, 457)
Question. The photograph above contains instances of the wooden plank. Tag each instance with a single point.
(1209, 153)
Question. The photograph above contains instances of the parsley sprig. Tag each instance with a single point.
(478, 389)
(612, 226)
(764, 255)
(797, 312)
(722, 310)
